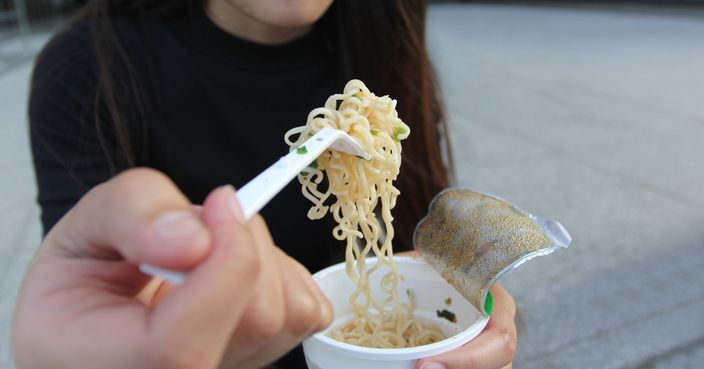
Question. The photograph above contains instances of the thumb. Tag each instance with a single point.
(140, 216)
(202, 313)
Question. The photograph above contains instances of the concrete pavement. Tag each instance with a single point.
(589, 117)
(20, 232)
(595, 119)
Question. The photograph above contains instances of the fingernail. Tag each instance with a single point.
(180, 228)
(234, 203)
(432, 365)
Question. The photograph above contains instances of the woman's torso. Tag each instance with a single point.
(218, 109)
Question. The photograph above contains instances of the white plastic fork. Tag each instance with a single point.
(260, 190)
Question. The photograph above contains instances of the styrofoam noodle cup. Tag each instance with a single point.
(432, 293)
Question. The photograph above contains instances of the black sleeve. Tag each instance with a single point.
(68, 158)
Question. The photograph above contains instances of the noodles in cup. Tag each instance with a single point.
(362, 194)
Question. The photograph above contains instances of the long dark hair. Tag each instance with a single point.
(381, 42)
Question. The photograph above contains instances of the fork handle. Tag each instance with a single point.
(260, 190)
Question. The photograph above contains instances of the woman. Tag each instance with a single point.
(203, 92)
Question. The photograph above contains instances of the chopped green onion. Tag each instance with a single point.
(446, 314)
(310, 168)
(411, 295)
(375, 132)
(398, 132)
(302, 150)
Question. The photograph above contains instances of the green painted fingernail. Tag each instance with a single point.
(488, 303)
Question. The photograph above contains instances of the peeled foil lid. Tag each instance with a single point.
(472, 239)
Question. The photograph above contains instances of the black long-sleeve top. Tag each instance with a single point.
(210, 94)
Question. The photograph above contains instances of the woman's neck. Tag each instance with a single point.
(233, 20)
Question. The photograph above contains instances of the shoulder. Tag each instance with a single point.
(64, 77)
(68, 65)
(71, 38)
(70, 50)
(74, 48)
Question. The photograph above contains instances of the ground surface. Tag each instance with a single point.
(595, 119)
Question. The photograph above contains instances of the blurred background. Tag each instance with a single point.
(591, 113)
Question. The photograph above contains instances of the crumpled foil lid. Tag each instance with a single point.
(472, 239)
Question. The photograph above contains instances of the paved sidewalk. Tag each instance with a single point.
(19, 224)
(595, 119)
(589, 117)
(20, 232)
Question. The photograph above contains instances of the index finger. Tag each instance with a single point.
(118, 219)
(200, 315)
